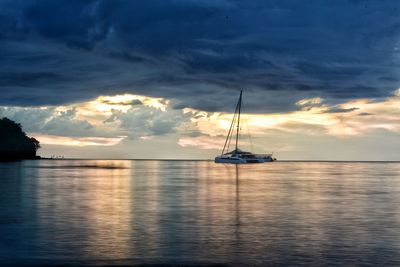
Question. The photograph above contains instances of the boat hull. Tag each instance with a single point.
(237, 160)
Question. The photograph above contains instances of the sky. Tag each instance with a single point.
(160, 79)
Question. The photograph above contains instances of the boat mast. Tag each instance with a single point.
(238, 122)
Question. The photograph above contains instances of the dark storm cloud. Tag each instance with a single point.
(198, 53)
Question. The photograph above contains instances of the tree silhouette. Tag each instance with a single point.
(14, 143)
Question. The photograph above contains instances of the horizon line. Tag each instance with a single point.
(182, 159)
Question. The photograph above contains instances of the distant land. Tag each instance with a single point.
(14, 143)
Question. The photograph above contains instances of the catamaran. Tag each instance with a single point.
(238, 156)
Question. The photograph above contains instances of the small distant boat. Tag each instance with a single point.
(238, 156)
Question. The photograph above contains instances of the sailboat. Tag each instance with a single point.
(238, 156)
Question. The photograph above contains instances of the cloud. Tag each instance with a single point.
(77, 141)
(198, 54)
(31, 119)
(111, 116)
(65, 122)
(114, 122)
(103, 118)
(49, 120)
(310, 101)
(340, 110)
(148, 121)
(365, 114)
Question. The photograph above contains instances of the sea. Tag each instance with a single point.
(198, 213)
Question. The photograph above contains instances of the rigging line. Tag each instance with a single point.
(230, 129)
(230, 135)
(238, 123)
(230, 138)
(235, 121)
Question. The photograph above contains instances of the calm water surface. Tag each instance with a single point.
(99, 212)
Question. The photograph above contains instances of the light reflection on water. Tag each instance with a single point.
(89, 212)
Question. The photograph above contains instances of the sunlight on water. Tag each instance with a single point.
(101, 212)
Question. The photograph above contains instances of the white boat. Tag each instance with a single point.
(238, 156)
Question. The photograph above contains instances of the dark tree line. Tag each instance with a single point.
(14, 143)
